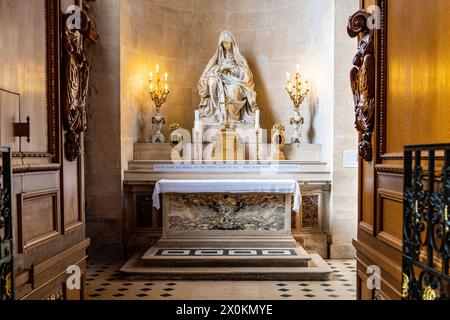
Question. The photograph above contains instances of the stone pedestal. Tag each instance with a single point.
(226, 221)
(227, 237)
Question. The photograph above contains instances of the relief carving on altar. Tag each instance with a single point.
(249, 212)
(227, 77)
(362, 77)
(76, 76)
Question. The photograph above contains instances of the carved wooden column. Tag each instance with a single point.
(76, 80)
(362, 77)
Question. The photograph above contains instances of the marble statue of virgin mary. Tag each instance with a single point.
(227, 75)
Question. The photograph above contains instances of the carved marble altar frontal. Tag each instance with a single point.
(227, 212)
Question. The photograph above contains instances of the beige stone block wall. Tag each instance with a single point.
(103, 164)
(181, 36)
(345, 180)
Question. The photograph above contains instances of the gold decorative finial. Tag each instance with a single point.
(279, 127)
(174, 126)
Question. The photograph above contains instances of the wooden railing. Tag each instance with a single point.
(6, 227)
(426, 223)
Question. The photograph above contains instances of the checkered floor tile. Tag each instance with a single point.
(104, 283)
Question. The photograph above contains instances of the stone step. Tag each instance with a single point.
(225, 257)
(235, 241)
(317, 270)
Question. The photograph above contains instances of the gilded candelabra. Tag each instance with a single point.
(159, 90)
(297, 92)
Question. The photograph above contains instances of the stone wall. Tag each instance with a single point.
(345, 180)
(103, 166)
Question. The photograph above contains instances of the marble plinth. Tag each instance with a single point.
(211, 220)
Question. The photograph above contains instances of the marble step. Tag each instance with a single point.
(317, 270)
(235, 241)
(226, 257)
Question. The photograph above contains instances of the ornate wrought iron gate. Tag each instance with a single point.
(6, 228)
(426, 224)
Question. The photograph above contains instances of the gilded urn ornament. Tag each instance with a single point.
(278, 142)
(176, 140)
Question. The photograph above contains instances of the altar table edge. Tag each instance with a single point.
(282, 186)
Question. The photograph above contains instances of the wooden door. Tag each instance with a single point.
(48, 186)
(402, 99)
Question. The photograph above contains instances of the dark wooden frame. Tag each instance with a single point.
(379, 152)
(52, 40)
(39, 240)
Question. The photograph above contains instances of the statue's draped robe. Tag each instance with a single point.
(236, 84)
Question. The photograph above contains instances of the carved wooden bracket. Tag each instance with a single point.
(76, 81)
(362, 78)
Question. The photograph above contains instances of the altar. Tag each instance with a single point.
(221, 202)
(227, 213)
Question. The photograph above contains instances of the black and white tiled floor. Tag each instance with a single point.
(104, 283)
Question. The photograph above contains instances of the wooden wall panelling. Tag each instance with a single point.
(73, 195)
(30, 68)
(49, 201)
(380, 208)
(38, 218)
(9, 114)
(418, 89)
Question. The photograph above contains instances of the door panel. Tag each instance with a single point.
(411, 107)
(48, 202)
(9, 114)
(418, 83)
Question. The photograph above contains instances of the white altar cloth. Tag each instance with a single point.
(228, 186)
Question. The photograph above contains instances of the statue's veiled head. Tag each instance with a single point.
(227, 40)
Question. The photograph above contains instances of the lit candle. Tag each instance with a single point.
(257, 115)
(197, 120)
(166, 76)
(151, 76)
(157, 69)
(166, 88)
(288, 76)
(289, 87)
(298, 68)
(151, 87)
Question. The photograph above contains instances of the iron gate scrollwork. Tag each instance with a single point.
(426, 224)
(6, 228)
